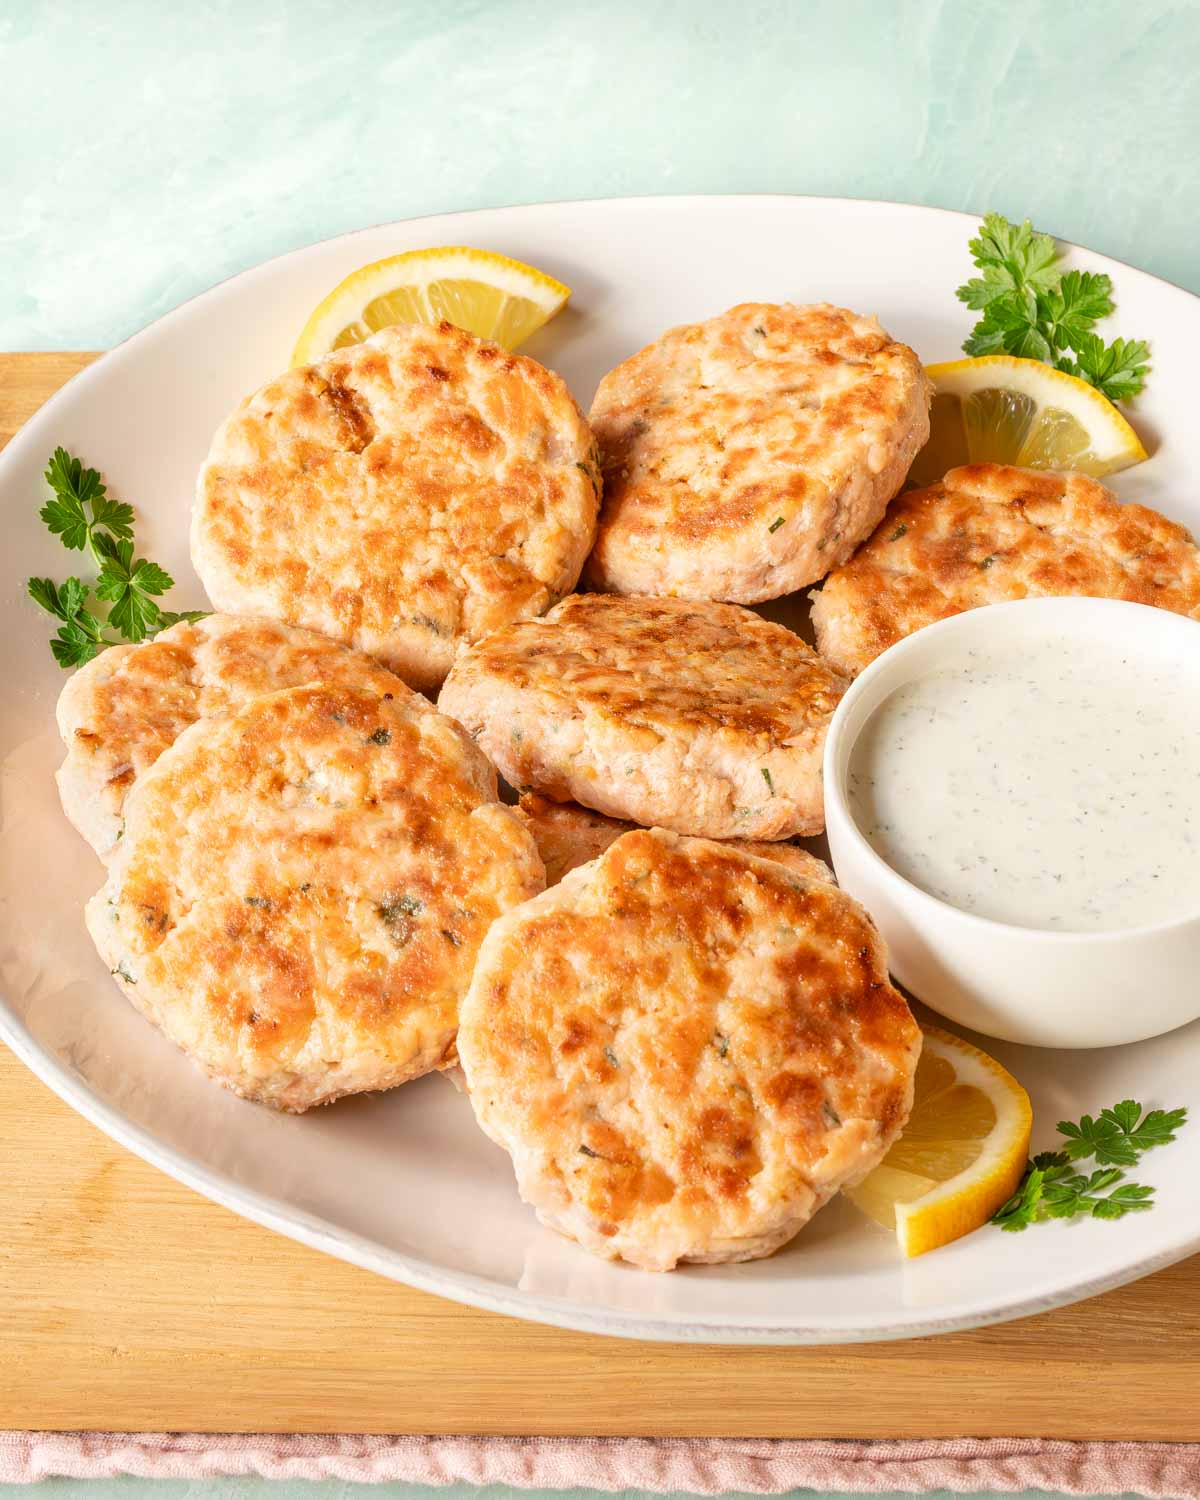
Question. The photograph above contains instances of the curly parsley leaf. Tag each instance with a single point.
(68, 478)
(1118, 1136)
(1074, 1194)
(1117, 370)
(114, 516)
(45, 592)
(1021, 1210)
(1010, 327)
(129, 586)
(1129, 1199)
(1102, 1138)
(1014, 260)
(1052, 1188)
(1054, 1191)
(81, 506)
(1080, 299)
(79, 637)
(1033, 310)
(1158, 1128)
(78, 641)
(167, 617)
(66, 519)
(134, 616)
(85, 517)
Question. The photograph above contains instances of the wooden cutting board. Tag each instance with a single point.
(128, 1302)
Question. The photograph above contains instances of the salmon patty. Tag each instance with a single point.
(699, 717)
(402, 496)
(302, 890)
(746, 456)
(990, 533)
(120, 712)
(568, 836)
(686, 1050)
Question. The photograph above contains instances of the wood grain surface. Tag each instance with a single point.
(128, 1302)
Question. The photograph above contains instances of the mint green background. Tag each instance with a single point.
(151, 149)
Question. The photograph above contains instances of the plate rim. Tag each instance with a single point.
(490, 1296)
(467, 1287)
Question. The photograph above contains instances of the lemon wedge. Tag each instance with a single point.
(1004, 410)
(485, 293)
(961, 1154)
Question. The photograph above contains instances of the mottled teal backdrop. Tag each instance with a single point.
(152, 148)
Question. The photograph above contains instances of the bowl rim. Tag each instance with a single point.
(977, 618)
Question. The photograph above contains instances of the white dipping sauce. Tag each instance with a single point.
(1053, 785)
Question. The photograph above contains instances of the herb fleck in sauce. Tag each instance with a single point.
(1057, 787)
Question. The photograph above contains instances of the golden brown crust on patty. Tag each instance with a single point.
(568, 836)
(686, 1050)
(699, 717)
(747, 455)
(402, 496)
(302, 890)
(120, 712)
(989, 533)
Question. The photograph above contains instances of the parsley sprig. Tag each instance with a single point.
(1120, 1134)
(1032, 309)
(1053, 1189)
(85, 518)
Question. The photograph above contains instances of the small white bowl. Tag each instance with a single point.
(1045, 989)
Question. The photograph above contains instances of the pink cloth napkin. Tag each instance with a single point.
(703, 1466)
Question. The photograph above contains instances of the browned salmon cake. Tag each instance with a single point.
(990, 533)
(686, 1050)
(699, 717)
(746, 456)
(402, 496)
(568, 836)
(302, 889)
(119, 713)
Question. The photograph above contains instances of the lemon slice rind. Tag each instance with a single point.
(1047, 419)
(489, 294)
(943, 1211)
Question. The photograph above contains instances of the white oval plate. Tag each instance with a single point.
(403, 1183)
